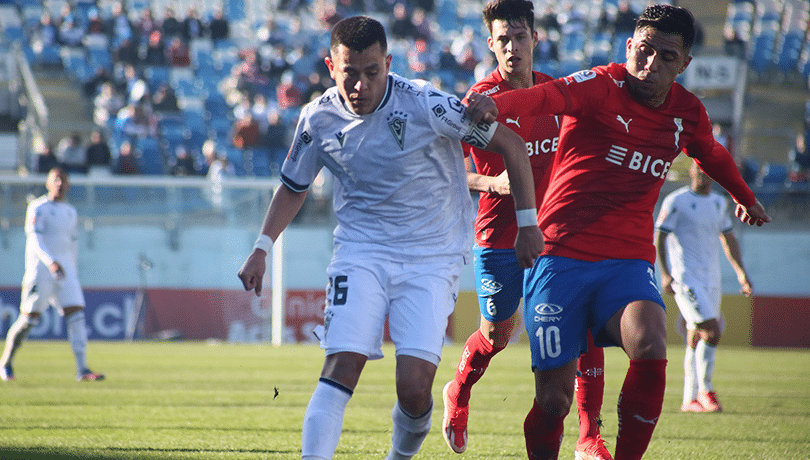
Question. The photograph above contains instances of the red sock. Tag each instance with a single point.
(543, 434)
(640, 403)
(474, 361)
(590, 389)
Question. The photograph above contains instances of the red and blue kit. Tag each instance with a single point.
(613, 157)
(495, 225)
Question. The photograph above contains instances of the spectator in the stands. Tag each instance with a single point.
(287, 94)
(71, 154)
(98, 151)
(127, 52)
(799, 158)
(165, 99)
(316, 85)
(155, 54)
(136, 121)
(246, 133)
(106, 104)
(179, 54)
(549, 20)
(219, 28)
(192, 25)
(546, 49)
(92, 86)
(625, 20)
(183, 163)
(146, 25)
(126, 163)
(45, 160)
(46, 32)
(94, 23)
(421, 58)
(733, 44)
(170, 26)
(119, 26)
(402, 27)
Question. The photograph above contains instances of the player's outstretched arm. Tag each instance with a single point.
(285, 205)
(752, 215)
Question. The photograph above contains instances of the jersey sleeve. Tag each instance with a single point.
(718, 163)
(553, 97)
(448, 118)
(35, 228)
(302, 163)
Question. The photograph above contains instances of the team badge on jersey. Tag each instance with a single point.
(397, 122)
(581, 76)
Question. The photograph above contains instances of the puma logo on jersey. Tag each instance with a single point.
(515, 121)
(625, 123)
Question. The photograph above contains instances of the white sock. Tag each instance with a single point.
(15, 336)
(690, 385)
(704, 355)
(77, 336)
(323, 420)
(409, 432)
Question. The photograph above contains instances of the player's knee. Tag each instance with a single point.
(556, 404)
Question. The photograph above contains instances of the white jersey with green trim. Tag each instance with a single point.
(51, 231)
(694, 223)
(400, 185)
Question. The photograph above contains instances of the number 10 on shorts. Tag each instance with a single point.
(549, 340)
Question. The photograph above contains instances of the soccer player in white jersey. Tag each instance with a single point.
(688, 247)
(51, 275)
(404, 218)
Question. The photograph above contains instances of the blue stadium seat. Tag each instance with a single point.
(788, 50)
(762, 51)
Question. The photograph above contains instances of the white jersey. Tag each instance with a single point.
(51, 235)
(400, 184)
(694, 223)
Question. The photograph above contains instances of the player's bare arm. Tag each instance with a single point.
(732, 249)
(529, 242)
(285, 205)
(663, 261)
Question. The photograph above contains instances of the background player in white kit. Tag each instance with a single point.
(688, 247)
(404, 224)
(51, 275)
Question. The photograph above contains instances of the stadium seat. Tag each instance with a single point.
(788, 50)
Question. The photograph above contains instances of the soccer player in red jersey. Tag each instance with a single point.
(499, 276)
(623, 125)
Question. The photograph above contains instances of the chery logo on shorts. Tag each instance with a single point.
(547, 313)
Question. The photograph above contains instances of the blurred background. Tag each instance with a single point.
(173, 117)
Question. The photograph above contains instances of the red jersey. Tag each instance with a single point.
(613, 157)
(495, 224)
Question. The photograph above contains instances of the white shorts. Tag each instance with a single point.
(417, 299)
(45, 289)
(697, 303)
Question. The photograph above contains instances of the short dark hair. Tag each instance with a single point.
(669, 20)
(510, 11)
(358, 33)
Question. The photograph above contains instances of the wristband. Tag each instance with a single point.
(264, 243)
(526, 217)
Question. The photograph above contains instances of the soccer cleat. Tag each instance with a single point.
(709, 402)
(454, 426)
(592, 449)
(7, 373)
(694, 406)
(89, 375)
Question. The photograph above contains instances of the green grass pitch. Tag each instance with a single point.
(178, 400)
